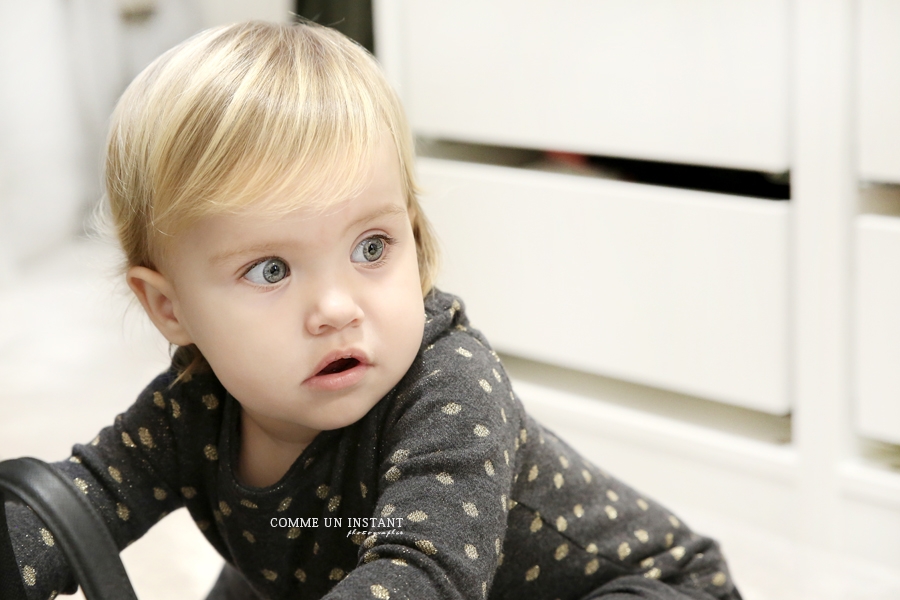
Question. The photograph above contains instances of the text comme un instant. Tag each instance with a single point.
(362, 522)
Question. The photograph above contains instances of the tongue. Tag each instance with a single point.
(342, 364)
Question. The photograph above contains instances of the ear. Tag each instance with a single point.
(157, 296)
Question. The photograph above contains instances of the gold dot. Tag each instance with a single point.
(363, 489)
(358, 538)
(489, 468)
(126, 439)
(536, 523)
(218, 515)
(115, 474)
(202, 525)
(471, 551)
(592, 548)
(322, 491)
(558, 480)
(316, 548)
(29, 575)
(506, 456)
(370, 557)
(370, 541)
(497, 545)
(334, 503)
(578, 510)
(210, 401)
(270, 575)
(642, 504)
(47, 537)
(648, 562)
(53, 595)
(388, 510)
(532, 573)
(533, 473)
(82, 485)
(95, 441)
(719, 579)
(159, 493)
(561, 524)
(293, 533)
(470, 509)
(75, 459)
(285, 504)
(624, 550)
(653, 573)
(451, 409)
(484, 589)
(226, 510)
(158, 400)
(417, 516)
(123, 511)
(503, 414)
(485, 385)
(380, 592)
(675, 523)
(399, 456)
(399, 562)
(591, 567)
(336, 574)
(481, 431)
(301, 575)
(642, 535)
(523, 435)
(249, 537)
(464, 352)
(393, 474)
(611, 512)
(444, 478)
(146, 438)
(210, 452)
(176, 409)
(188, 492)
(561, 552)
(612, 495)
(586, 475)
(670, 538)
(247, 504)
(426, 546)
(677, 552)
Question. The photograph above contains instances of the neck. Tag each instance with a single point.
(266, 453)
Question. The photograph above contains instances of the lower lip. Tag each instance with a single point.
(338, 381)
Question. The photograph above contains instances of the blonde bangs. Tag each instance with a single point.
(263, 116)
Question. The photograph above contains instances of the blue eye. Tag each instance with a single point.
(368, 250)
(266, 272)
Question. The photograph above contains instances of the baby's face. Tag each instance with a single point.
(310, 319)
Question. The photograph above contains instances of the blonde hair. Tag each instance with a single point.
(235, 115)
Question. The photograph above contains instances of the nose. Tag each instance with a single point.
(334, 310)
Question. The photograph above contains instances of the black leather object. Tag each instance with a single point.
(75, 524)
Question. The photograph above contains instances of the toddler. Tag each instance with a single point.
(332, 422)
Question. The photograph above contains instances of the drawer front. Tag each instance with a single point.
(701, 82)
(674, 289)
(877, 306)
(879, 90)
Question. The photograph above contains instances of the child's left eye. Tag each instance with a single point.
(370, 249)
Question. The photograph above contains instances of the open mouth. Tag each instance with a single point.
(339, 366)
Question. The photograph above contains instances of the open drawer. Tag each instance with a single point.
(676, 289)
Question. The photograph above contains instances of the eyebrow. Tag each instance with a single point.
(269, 248)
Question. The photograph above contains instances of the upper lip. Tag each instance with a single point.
(337, 355)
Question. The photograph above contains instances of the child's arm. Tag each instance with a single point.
(129, 473)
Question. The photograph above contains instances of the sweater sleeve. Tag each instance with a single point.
(128, 472)
(446, 469)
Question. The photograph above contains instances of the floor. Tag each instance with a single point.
(75, 351)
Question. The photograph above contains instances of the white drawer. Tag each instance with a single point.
(701, 82)
(877, 326)
(670, 288)
(879, 90)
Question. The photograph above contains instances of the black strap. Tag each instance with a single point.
(74, 523)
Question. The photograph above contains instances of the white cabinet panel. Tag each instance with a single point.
(879, 90)
(669, 288)
(877, 306)
(701, 82)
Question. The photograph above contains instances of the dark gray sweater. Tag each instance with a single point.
(456, 492)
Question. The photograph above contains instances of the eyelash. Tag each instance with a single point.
(388, 244)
